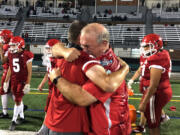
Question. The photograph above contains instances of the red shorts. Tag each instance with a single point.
(155, 106)
(2, 83)
(17, 90)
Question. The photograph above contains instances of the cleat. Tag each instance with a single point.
(138, 112)
(2, 115)
(139, 129)
(12, 126)
(20, 121)
(25, 107)
(164, 119)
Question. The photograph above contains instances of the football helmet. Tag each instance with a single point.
(16, 43)
(5, 47)
(48, 46)
(5, 36)
(154, 42)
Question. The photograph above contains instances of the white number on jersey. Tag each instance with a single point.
(143, 68)
(16, 66)
(170, 68)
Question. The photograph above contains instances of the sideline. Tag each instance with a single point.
(7, 132)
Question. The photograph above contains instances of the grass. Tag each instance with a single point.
(36, 102)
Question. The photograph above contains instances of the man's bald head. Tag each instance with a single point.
(98, 30)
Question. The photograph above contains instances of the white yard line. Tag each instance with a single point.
(136, 94)
(7, 132)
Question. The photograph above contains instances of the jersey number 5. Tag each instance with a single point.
(16, 66)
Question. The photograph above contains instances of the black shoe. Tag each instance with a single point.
(20, 121)
(2, 115)
(139, 129)
(12, 126)
(25, 107)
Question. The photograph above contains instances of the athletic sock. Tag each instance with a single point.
(16, 112)
(4, 99)
(163, 115)
(21, 112)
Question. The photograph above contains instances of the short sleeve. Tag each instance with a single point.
(97, 92)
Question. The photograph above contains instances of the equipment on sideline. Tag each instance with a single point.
(132, 113)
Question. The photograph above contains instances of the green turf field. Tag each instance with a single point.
(36, 101)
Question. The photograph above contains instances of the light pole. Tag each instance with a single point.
(138, 8)
(116, 6)
(95, 6)
(161, 8)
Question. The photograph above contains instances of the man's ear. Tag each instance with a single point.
(105, 42)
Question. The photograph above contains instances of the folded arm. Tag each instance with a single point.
(108, 82)
(74, 93)
(69, 54)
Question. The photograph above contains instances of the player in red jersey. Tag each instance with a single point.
(5, 36)
(49, 62)
(109, 111)
(138, 74)
(155, 81)
(20, 71)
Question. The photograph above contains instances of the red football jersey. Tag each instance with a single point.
(110, 115)
(160, 60)
(17, 63)
(63, 116)
(142, 65)
(5, 50)
(5, 69)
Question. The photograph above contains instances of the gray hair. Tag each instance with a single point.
(98, 30)
(104, 36)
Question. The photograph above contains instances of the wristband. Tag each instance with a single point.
(56, 79)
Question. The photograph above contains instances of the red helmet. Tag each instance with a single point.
(16, 43)
(48, 46)
(5, 36)
(154, 42)
(51, 42)
(5, 47)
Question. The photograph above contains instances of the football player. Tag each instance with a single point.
(138, 74)
(20, 71)
(5, 36)
(155, 80)
(49, 62)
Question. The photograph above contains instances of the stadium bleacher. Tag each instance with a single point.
(168, 32)
(45, 30)
(38, 21)
(122, 34)
(5, 24)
